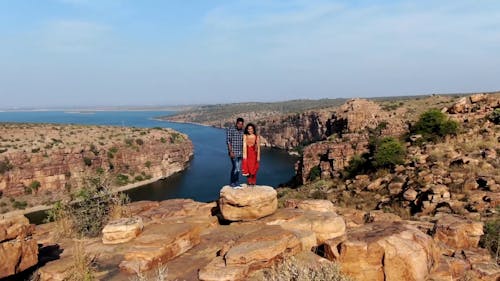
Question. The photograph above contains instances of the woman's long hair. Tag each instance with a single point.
(250, 125)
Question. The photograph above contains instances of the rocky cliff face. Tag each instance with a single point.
(43, 161)
(347, 132)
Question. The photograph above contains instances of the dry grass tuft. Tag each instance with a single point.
(160, 274)
(83, 268)
(290, 270)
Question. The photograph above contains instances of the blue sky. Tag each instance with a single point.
(125, 52)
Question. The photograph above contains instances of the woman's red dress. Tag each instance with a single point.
(250, 165)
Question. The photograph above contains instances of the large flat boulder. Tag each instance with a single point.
(325, 225)
(248, 203)
(159, 244)
(122, 230)
(387, 251)
(257, 249)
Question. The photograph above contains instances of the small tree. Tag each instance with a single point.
(495, 116)
(434, 125)
(389, 153)
(315, 173)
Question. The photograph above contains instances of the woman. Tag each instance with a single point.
(251, 154)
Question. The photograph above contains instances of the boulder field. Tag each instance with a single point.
(244, 233)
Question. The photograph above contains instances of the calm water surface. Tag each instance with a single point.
(209, 169)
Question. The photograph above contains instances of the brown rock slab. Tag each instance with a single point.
(458, 232)
(14, 227)
(249, 203)
(122, 230)
(317, 205)
(261, 247)
(17, 255)
(217, 270)
(326, 225)
(18, 250)
(158, 244)
(388, 251)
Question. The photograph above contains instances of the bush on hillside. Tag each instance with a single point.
(491, 238)
(357, 165)
(95, 204)
(315, 173)
(389, 152)
(495, 116)
(434, 125)
(5, 166)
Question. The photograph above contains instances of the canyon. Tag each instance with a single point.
(44, 163)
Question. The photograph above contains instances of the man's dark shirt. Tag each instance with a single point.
(235, 138)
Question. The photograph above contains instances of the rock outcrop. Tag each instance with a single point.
(387, 251)
(51, 160)
(248, 203)
(18, 250)
(122, 230)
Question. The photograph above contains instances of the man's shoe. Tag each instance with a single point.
(238, 187)
(233, 185)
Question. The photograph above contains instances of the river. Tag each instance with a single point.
(209, 169)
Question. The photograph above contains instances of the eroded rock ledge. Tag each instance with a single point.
(189, 238)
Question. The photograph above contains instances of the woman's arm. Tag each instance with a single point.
(244, 147)
(258, 148)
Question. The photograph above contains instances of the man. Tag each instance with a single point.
(234, 140)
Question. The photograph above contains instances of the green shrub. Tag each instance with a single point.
(495, 116)
(434, 125)
(35, 185)
(163, 140)
(121, 179)
(139, 141)
(139, 178)
(87, 161)
(491, 238)
(148, 164)
(314, 173)
(388, 153)
(5, 166)
(19, 205)
(95, 205)
(357, 165)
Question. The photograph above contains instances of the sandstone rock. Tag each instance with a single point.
(396, 188)
(217, 270)
(18, 250)
(159, 244)
(261, 247)
(388, 251)
(17, 255)
(478, 98)
(375, 185)
(326, 225)
(457, 232)
(181, 209)
(316, 205)
(460, 106)
(410, 194)
(14, 227)
(249, 203)
(122, 230)
(381, 216)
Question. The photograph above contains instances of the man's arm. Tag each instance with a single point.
(228, 142)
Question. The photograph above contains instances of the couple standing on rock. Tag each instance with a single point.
(243, 147)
